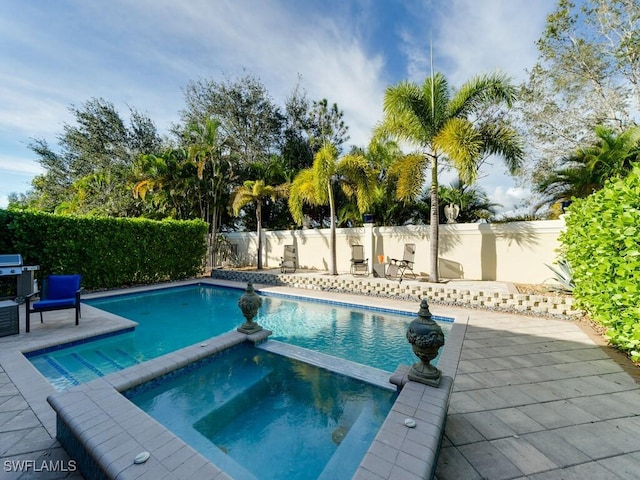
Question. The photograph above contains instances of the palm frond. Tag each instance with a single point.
(410, 172)
(461, 142)
(494, 88)
(302, 191)
(324, 168)
(503, 140)
(408, 115)
(357, 179)
(436, 93)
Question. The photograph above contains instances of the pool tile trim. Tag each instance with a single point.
(80, 341)
(395, 311)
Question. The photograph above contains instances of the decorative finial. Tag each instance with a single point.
(249, 303)
(426, 338)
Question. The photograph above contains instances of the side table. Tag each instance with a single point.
(9, 318)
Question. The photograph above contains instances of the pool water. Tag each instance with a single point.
(173, 318)
(257, 414)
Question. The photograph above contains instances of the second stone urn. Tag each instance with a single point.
(426, 339)
(249, 303)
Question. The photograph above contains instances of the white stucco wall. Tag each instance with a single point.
(510, 252)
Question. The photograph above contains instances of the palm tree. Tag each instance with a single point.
(464, 127)
(315, 186)
(171, 179)
(255, 191)
(206, 150)
(587, 171)
(386, 158)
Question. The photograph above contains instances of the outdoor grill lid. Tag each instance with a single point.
(11, 260)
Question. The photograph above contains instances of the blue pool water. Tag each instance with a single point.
(173, 318)
(269, 417)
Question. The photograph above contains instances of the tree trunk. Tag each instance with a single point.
(435, 222)
(332, 240)
(214, 234)
(259, 219)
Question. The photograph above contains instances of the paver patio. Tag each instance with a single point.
(537, 398)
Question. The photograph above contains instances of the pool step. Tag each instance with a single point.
(354, 445)
(235, 399)
(66, 379)
(77, 368)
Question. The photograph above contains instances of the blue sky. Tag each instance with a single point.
(141, 53)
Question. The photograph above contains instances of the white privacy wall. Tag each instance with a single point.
(509, 252)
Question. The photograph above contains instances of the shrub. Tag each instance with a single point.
(108, 252)
(602, 245)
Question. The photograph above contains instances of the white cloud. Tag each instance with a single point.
(29, 109)
(278, 45)
(171, 43)
(141, 54)
(19, 165)
(500, 35)
(472, 38)
(511, 198)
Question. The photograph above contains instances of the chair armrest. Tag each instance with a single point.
(31, 295)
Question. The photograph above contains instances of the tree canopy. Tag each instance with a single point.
(250, 122)
(587, 75)
(90, 173)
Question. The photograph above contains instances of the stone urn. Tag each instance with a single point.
(426, 339)
(249, 303)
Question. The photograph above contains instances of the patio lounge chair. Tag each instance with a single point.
(58, 292)
(288, 261)
(359, 264)
(397, 268)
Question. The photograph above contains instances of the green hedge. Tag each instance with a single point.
(108, 252)
(602, 245)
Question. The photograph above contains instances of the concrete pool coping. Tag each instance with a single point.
(397, 450)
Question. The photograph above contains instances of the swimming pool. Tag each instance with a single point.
(173, 318)
(256, 414)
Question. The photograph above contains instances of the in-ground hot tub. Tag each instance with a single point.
(257, 414)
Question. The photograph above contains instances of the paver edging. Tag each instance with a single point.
(554, 306)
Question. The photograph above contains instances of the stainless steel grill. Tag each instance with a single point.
(11, 265)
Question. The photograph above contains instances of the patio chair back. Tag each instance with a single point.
(359, 264)
(397, 268)
(409, 255)
(289, 260)
(58, 292)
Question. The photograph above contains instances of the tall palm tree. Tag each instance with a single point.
(315, 186)
(255, 191)
(206, 150)
(463, 127)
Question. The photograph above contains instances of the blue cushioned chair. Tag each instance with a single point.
(58, 292)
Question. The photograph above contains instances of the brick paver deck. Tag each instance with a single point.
(537, 398)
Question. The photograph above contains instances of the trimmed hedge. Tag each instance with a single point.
(108, 252)
(602, 245)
